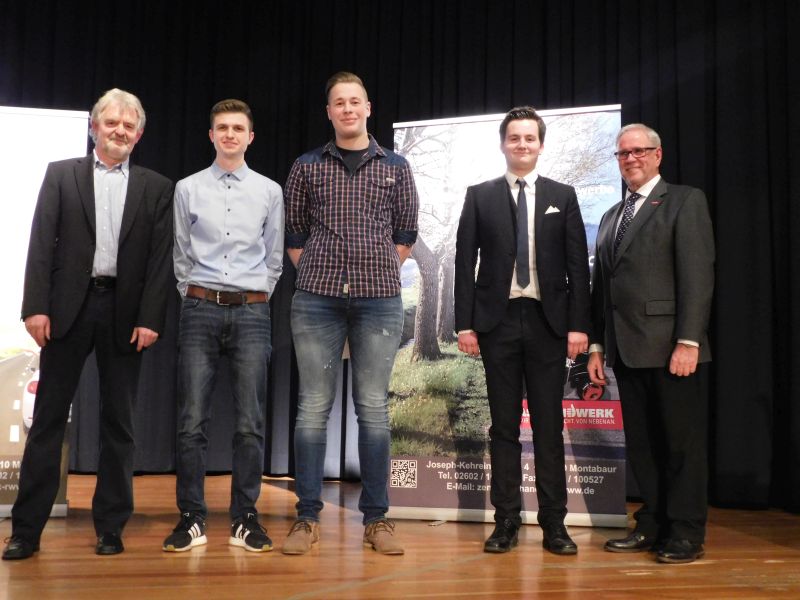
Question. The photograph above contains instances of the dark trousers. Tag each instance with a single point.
(61, 362)
(666, 423)
(524, 346)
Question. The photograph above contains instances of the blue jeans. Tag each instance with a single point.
(208, 331)
(320, 325)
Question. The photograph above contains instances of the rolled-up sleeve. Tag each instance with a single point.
(297, 216)
(406, 209)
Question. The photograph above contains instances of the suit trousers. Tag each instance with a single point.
(524, 347)
(666, 423)
(61, 362)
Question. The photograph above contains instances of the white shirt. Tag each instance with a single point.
(532, 289)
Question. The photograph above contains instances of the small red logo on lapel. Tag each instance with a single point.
(655, 202)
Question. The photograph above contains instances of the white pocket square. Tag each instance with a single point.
(550, 210)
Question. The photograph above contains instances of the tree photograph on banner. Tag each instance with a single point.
(439, 413)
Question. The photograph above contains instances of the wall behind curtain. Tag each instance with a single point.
(717, 79)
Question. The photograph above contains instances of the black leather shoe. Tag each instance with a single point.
(635, 542)
(503, 538)
(108, 543)
(557, 540)
(659, 545)
(18, 548)
(680, 551)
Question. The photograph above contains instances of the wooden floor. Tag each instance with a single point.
(748, 555)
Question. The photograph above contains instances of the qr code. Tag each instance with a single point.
(404, 474)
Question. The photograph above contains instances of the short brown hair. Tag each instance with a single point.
(343, 77)
(231, 106)
(520, 113)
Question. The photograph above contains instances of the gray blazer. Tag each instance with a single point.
(658, 288)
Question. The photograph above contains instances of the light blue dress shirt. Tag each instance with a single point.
(110, 191)
(228, 230)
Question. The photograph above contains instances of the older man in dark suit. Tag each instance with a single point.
(525, 313)
(651, 297)
(97, 278)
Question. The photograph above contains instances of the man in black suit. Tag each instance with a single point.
(525, 313)
(97, 277)
(652, 286)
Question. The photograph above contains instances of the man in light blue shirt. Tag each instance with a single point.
(228, 257)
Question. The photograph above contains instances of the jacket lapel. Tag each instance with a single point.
(508, 217)
(84, 181)
(608, 232)
(651, 204)
(133, 198)
(541, 204)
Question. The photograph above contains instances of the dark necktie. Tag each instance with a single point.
(523, 266)
(627, 217)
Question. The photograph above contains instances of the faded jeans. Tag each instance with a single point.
(320, 325)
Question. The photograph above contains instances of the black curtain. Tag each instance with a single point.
(717, 79)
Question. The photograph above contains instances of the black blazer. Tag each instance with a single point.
(659, 287)
(62, 244)
(488, 226)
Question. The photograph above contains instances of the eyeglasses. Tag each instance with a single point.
(637, 153)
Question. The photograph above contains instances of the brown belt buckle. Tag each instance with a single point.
(219, 302)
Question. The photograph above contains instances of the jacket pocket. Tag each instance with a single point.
(659, 307)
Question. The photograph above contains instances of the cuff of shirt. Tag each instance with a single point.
(689, 343)
(466, 331)
(596, 348)
(404, 237)
(296, 240)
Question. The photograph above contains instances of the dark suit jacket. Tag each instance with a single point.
(659, 287)
(62, 245)
(488, 224)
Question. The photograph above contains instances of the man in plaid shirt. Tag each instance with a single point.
(351, 220)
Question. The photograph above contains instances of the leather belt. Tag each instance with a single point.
(226, 298)
(103, 282)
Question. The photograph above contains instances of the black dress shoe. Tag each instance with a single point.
(557, 540)
(659, 545)
(108, 543)
(680, 551)
(635, 542)
(503, 538)
(18, 548)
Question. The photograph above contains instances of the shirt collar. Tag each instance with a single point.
(372, 150)
(530, 179)
(124, 166)
(644, 191)
(240, 173)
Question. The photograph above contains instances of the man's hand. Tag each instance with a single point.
(143, 337)
(595, 368)
(294, 255)
(38, 326)
(577, 342)
(468, 343)
(403, 252)
(684, 360)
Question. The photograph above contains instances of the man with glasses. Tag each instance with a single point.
(651, 297)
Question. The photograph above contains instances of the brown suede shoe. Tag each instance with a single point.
(302, 536)
(380, 536)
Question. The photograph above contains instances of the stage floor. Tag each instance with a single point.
(749, 554)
